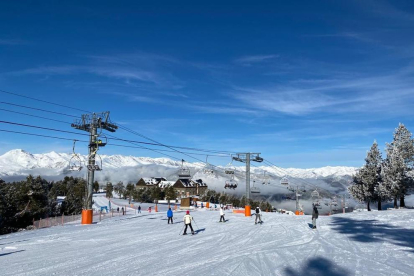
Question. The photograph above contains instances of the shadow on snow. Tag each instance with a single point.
(9, 253)
(318, 266)
(374, 231)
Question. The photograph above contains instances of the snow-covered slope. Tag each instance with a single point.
(366, 243)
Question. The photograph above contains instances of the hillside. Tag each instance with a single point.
(17, 164)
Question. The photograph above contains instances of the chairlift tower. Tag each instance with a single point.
(92, 123)
(246, 158)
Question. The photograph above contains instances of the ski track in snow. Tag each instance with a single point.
(283, 245)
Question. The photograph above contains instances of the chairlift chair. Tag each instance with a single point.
(284, 181)
(184, 172)
(254, 189)
(266, 179)
(75, 162)
(229, 169)
(230, 184)
(315, 194)
(97, 166)
(208, 169)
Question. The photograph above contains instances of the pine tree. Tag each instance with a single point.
(170, 194)
(368, 178)
(129, 191)
(394, 175)
(119, 189)
(96, 186)
(357, 189)
(109, 190)
(404, 143)
(372, 175)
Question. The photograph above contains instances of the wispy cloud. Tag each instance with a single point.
(363, 37)
(388, 94)
(247, 60)
(127, 74)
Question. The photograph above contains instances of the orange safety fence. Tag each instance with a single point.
(55, 221)
(238, 211)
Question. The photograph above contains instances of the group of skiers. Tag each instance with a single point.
(187, 220)
(258, 213)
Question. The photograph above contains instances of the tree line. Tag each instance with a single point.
(389, 179)
(36, 198)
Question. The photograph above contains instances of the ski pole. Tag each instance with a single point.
(198, 228)
(181, 230)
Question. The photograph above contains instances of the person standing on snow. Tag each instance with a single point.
(170, 215)
(258, 215)
(187, 222)
(222, 215)
(315, 215)
(139, 209)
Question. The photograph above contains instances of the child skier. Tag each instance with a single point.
(258, 215)
(222, 215)
(187, 222)
(315, 214)
(170, 215)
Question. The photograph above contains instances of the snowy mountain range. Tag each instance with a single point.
(17, 164)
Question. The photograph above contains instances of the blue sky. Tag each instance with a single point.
(305, 83)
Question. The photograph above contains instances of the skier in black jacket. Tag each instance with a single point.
(315, 215)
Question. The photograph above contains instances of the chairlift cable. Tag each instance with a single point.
(43, 101)
(39, 109)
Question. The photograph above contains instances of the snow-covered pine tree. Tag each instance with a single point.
(367, 179)
(405, 143)
(393, 174)
(357, 189)
(372, 175)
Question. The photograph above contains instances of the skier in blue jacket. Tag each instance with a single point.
(170, 215)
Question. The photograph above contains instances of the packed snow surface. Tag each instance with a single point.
(365, 243)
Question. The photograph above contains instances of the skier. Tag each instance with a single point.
(222, 215)
(149, 209)
(187, 222)
(123, 211)
(315, 215)
(170, 216)
(139, 209)
(117, 209)
(258, 215)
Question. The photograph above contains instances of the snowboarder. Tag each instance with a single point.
(170, 215)
(187, 221)
(139, 209)
(315, 214)
(258, 215)
(222, 215)
(123, 211)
